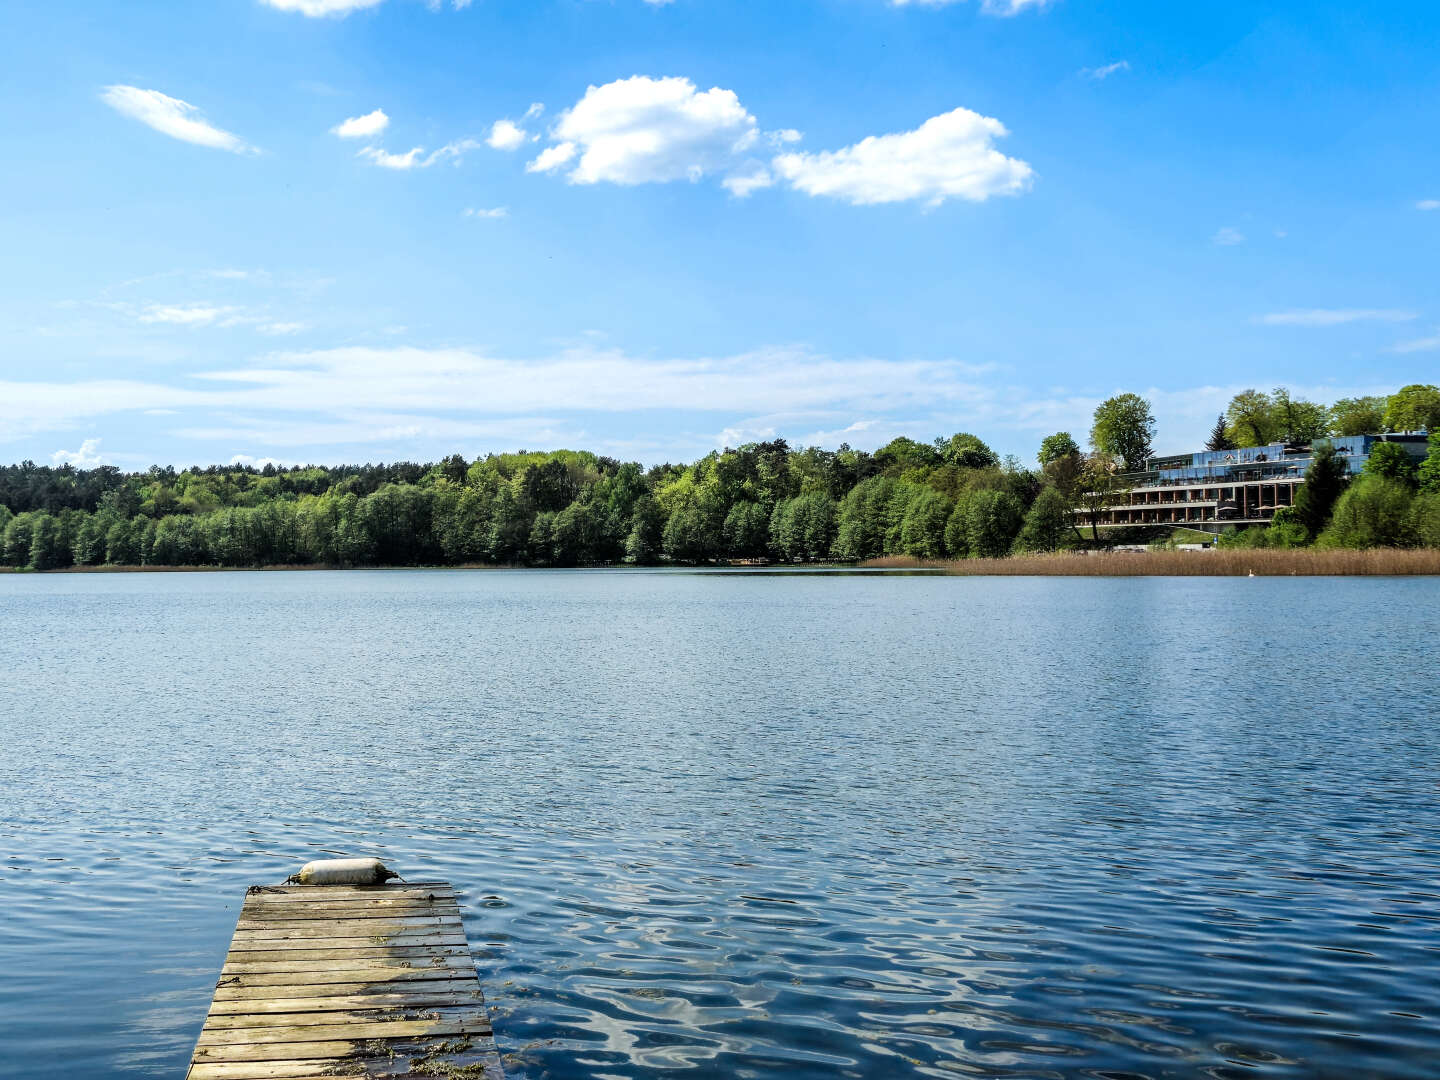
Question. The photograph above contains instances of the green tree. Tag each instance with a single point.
(1325, 479)
(747, 531)
(586, 533)
(1424, 521)
(1429, 472)
(901, 454)
(1096, 488)
(15, 545)
(688, 536)
(1373, 512)
(992, 521)
(1251, 414)
(803, 527)
(122, 542)
(1047, 523)
(966, 451)
(1414, 408)
(1390, 461)
(1220, 436)
(1054, 447)
(647, 526)
(864, 519)
(1124, 427)
(1297, 423)
(922, 530)
(1357, 416)
(48, 549)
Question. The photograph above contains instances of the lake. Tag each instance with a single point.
(748, 824)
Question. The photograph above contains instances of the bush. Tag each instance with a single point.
(1373, 512)
(1424, 520)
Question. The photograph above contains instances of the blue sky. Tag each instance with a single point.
(339, 230)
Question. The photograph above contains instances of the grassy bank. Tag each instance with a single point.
(1219, 563)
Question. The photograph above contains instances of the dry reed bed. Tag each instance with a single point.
(1215, 563)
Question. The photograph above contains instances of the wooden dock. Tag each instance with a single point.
(348, 980)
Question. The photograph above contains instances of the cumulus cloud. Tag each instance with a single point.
(643, 130)
(1334, 316)
(87, 457)
(1227, 237)
(507, 134)
(362, 127)
(173, 117)
(493, 213)
(948, 156)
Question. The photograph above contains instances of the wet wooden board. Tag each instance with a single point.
(347, 980)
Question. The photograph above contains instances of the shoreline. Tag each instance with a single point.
(1295, 562)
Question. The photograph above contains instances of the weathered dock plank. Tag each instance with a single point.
(347, 980)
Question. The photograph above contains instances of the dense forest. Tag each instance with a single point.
(950, 498)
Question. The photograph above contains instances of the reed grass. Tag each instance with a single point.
(1303, 562)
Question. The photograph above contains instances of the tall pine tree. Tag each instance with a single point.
(1219, 437)
(1326, 478)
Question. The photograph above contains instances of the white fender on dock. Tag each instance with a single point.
(344, 872)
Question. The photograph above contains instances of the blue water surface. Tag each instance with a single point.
(748, 825)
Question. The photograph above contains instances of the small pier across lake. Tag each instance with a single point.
(348, 980)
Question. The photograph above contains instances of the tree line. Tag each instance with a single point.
(950, 498)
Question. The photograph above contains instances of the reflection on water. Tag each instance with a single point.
(744, 825)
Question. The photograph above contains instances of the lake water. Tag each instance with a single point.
(748, 825)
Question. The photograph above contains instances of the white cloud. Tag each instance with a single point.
(354, 397)
(783, 137)
(493, 213)
(948, 156)
(742, 183)
(1227, 237)
(991, 7)
(87, 457)
(507, 135)
(1429, 344)
(1428, 204)
(387, 160)
(416, 158)
(1334, 316)
(198, 315)
(255, 462)
(173, 117)
(186, 314)
(1105, 71)
(362, 127)
(552, 158)
(318, 8)
(642, 130)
